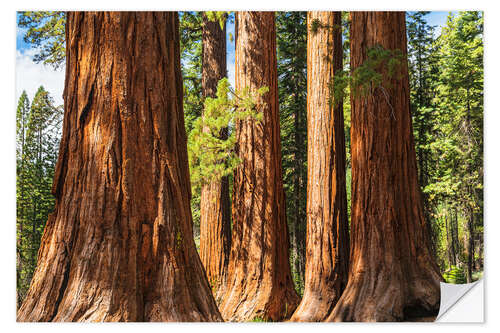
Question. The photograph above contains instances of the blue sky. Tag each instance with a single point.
(437, 18)
(230, 51)
(29, 75)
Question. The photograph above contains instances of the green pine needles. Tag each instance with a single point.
(211, 150)
(316, 25)
(218, 17)
(377, 70)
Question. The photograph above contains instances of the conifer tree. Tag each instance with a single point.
(458, 148)
(22, 278)
(291, 30)
(422, 71)
(38, 132)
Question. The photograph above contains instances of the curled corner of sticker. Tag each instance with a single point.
(461, 302)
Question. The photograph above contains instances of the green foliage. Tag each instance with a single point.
(446, 84)
(458, 146)
(477, 275)
(220, 17)
(455, 275)
(423, 71)
(38, 132)
(46, 33)
(316, 25)
(191, 54)
(211, 155)
(190, 32)
(377, 71)
(291, 29)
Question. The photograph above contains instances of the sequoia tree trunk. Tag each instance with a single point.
(215, 219)
(259, 282)
(327, 247)
(393, 275)
(119, 245)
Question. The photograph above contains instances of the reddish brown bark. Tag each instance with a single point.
(392, 274)
(215, 218)
(327, 246)
(259, 281)
(119, 245)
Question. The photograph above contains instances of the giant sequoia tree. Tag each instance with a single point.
(327, 226)
(259, 281)
(119, 245)
(215, 219)
(392, 274)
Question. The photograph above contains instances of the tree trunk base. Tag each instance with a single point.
(313, 308)
(262, 304)
(387, 298)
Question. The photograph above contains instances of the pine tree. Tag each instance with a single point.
(38, 135)
(41, 154)
(22, 279)
(291, 30)
(422, 72)
(190, 30)
(458, 146)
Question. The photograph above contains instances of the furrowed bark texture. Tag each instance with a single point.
(327, 247)
(119, 245)
(215, 218)
(259, 281)
(392, 275)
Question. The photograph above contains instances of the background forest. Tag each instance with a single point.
(446, 89)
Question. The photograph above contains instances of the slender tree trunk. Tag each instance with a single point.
(454, 235)
(34, 248)
(479, 264)
(449, 241)
(215, 219)
(259, 281)
(393, 275)
(470, 211)
(119, 245)
(327, 224)
(470, 245)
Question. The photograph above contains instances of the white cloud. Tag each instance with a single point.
(30, 76)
